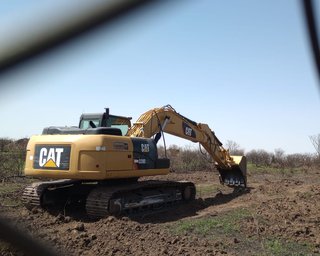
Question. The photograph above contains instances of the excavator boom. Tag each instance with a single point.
(232, 169)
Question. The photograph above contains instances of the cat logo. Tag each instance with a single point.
(188, 131)
(50, 157)
(145, 148)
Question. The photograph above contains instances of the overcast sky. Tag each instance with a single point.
(242, 67)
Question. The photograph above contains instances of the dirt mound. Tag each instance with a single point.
(278, 215)
(113, 236)
(293, 215)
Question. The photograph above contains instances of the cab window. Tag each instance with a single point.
(123, 127)
(85, 124)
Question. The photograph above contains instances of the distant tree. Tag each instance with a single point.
(259, 157)
(299, 160)
(279, 153)
(234, 148)
(12, 156)
(4, 142)
(174, 150)
(186, 159)
(16, 145)
(315, 140)
(279, 157)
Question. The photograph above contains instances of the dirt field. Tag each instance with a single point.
(278, 215)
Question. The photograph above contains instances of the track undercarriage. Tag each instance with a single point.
(109, 198)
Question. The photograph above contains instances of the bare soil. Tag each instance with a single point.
(279, 214)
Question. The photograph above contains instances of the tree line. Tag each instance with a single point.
(183, 159)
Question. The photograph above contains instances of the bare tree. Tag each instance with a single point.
(279, 157)
(299, 160)
(4, 142)
(259, 157)
(315, 140)
(234, 148)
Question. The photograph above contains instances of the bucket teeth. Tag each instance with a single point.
(236, 181)
(236, 176)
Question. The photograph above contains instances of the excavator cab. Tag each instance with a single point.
(97, 123)
(105, 120)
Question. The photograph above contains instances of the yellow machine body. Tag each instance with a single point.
(91, 157)
(123, 155)
(98, 163)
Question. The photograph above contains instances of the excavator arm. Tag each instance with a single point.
(232, 169)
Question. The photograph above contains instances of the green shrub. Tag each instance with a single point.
(278, 247)
(187, 159)
(12, 156)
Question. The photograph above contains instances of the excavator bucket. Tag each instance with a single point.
(237, 175)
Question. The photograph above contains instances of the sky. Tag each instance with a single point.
(242, 67)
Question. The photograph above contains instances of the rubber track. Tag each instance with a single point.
(32, 194)
(98, 200)
(97, 203)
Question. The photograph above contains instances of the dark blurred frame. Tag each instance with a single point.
(313, 32)
(107, 15)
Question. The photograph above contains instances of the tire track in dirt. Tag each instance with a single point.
(281, 206)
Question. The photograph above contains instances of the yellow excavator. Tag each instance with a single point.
(98, 163)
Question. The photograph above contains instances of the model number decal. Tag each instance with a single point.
(188, 131)
(120, 146)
